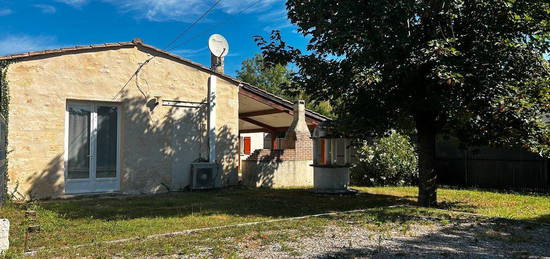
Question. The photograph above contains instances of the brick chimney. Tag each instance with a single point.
(298, 136)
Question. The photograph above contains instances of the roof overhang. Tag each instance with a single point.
(261, 111)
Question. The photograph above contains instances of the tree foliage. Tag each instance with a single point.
(389, 160)
(277, 79)
(472, 69)
(272, 79)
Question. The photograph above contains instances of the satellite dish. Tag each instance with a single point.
(218, 45)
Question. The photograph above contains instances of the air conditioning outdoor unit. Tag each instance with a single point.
(203, 175)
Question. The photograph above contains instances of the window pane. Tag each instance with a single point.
(79, 143)
(106, 141)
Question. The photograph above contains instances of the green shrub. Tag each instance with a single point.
(387, 161)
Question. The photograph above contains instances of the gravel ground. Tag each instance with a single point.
(457, 237)
(467, 238)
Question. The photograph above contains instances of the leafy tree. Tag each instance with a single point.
(254, 72)
(472, 69)
(389, 160)
(276, 79)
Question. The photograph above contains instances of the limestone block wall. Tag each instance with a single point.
(278, 168)
(278, 174)
(158, 143)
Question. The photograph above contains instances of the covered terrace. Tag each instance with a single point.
(260, 111)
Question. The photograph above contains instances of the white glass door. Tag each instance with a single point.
(91, 148)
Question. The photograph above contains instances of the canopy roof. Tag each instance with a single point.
(261, 111)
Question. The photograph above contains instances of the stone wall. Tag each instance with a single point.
(158, 143)
(277, 173)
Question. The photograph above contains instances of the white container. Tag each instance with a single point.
(4, 235)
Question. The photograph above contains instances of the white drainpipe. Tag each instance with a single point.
(212, 119)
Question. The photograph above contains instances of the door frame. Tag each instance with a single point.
(93, 147)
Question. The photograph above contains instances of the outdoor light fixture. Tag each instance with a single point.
(158, 100)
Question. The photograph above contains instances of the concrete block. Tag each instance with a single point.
(4, 235)
(277, 174)
(331, 179)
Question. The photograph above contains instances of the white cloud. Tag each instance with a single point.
(278, 26)
(191, 52)
(275, 15)
(14, 44)
(236, 6)
(5, 11)
(162, 10)
(277, 20)
(75, 3)
(236, 54)
(179, 10)
(47, 9)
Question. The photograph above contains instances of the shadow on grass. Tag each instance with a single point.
(457, 206)
(245, 204)
(382, 237)
(543, 218)
(465, 236)
(238, 201)
(527, 192)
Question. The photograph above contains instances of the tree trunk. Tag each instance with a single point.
(427, 182)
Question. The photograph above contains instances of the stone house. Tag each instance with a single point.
(129, 118)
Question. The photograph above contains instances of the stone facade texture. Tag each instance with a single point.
(157, 143)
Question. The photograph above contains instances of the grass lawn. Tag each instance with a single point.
(225, 242)
(493, 204)
(75, 222)
(83, 221)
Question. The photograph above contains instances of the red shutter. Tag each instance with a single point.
(247, 145)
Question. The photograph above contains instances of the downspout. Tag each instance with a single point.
(212, 119)
(216, 65)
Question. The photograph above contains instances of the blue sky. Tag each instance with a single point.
(27, 25)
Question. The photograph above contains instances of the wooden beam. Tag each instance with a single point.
(313, 122)
(309, 120)
(257, 123)
(253, 130)
(260, 113)
(279, 129)
(273, 104)
(262, 100)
